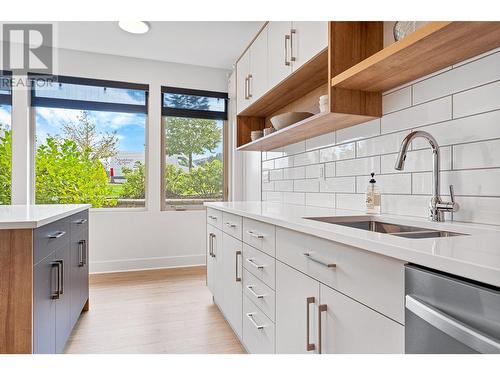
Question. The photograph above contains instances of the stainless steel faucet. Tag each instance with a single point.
(437, 207)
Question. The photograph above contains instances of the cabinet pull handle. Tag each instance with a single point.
(321, 308)
(255, 235)
(329, 265)
(212, 217)
(246, 87)
(61, 276)
(210, 244)
(56, 294)
(250, 288)
(292, 32)
(81, 221)
(250, 78)
(309, 345)
(80, 253)
(231, 225)
(57, 234)
(214, 245)
(251, 261)
(287, 38)
(237, 278)
(256, 325)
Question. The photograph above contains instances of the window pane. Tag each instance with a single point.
(5, 154)
(194, 170)
(91, 157)
(183, 101)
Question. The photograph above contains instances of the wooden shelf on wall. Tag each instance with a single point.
(434, 46)
(318, 124)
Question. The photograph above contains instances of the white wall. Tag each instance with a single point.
(128, 239)
(459, 105)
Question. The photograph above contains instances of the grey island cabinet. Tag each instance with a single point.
(43, 281)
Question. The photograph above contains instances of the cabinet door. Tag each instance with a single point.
(242, 72)
(44, 306)
(308, 38)
(297, 297)
(258, 83)
(350, 327)
(214, 263)
(278, 62)
(63, 303)
(232, 275)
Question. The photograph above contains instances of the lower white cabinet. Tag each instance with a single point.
(214, 263)
(232, 282)
(258, 329)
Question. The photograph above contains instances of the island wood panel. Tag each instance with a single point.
(432, 47)
(16, 291)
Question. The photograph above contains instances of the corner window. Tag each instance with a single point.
(5, 138)
(90, 142)
(193, 163)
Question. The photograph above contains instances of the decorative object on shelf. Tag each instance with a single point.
(268, 131)
(286, 119)
(256, 134)
(323, 103)
(402, 28)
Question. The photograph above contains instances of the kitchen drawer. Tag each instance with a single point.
(258, 329)
(79, 222)
(214, 217)
(260, 265)
(232, 224)
(375, 280)
(49, 238)
(260, 235)
(260, 294)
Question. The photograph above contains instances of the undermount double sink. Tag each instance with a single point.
(387, 228)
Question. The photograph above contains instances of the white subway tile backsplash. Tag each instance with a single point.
(314, 171)
(310, 157)
(267, 186)
(461, 78)
(294, 173)
(278, 153)
(295, 198)
(384, 144)
(265, 176)
(268, 164)
(481, 99)
(273, 196)
(295, 148)
(396, 100)
(416, 161)
(477, 155)
(423, 114)
(320, 141)
(355, 167)
(320, 199)
(311, 185)
(388, 184)
(345, 151)
(276, 174)
(410, 205)
(367, 129)
(285, 185)
(350, 201)
(338, 185)
(283, 162)
(329, 169)
(479, 210)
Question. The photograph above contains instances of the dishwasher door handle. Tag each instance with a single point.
(452, 327)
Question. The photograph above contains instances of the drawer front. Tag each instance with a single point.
(214, 217)
(79, 222)
(372, 279)
(260, 265)
(260, 235)
(49, 238)
(260, 294)
(232, 225)
(258, 329)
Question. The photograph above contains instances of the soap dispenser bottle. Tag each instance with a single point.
(372, 197)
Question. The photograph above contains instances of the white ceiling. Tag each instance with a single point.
(213, 44)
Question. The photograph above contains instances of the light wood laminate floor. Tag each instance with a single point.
(157, 311)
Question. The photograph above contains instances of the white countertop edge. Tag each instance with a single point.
(37, 222)
(481, 273)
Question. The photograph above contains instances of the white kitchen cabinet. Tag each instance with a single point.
(258, 329)
(278, 41)
(308, 38)
(215, 266)
(242, 73)
(350, 327)
(297, 297)
(258, 81)
(232, 282)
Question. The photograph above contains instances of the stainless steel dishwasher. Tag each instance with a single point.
(449, 314)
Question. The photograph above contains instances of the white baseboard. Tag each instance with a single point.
(137, 264)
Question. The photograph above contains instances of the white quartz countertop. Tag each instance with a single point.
(475, 256)
(34, 216)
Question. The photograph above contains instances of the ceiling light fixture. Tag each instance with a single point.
(134, 27)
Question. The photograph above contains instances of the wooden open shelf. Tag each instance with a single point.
(318, 124)
(434, 46)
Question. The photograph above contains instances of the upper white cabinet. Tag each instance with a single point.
(242, 73)
(307, 39)
(279, 65)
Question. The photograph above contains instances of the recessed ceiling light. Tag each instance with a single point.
(134, 27)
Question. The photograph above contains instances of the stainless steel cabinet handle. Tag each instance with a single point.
(452, 327)
(251, 261)
(81, 221)
(238, 254)
(309, 345)
(81, 245)
(56, 294)
(329, 265)
(250, 288)
(57, 234)
(250, 78)
(211, 245)
(255, 235)
(287, 38)
(246, 87)
(61, 276)
(212, 217)
(256, 325)
(214, 245)
(292, 32)
(321, 308)
(231, 225)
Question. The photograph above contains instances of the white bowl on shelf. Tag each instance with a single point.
(268, 131)
(256, 134)
(286, 119)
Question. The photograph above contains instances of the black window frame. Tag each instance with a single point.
(6, 99)
(194, 113)
(37, 101)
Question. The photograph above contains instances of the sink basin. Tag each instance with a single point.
(387, 228)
